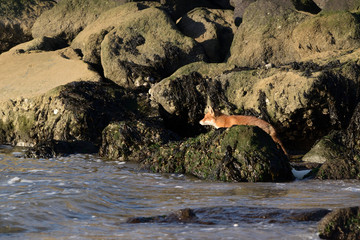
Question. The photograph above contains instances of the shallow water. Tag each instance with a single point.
(85, 197)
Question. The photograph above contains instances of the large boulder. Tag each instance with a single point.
(28, 74)
(133, 140)
(145, 48)
(183, 98)
(212, 28)
(17, 19)
(75, 112)
(69, 17)
(275, 32)
(239, 153)
(89, 40)
(341, 223)
(339, 151)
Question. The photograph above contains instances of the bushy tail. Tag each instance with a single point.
(277, 140)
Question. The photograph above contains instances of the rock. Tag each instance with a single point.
(274, 32)
(43, 43)
(239, 153)
(229, 215)
(186, 215)
(341, 152)
(183, 99)
(31, 74)
(133, 141)
(69, 17)
(146, 48)
(345, 5)
(212, 28)
(75, 112)
(340, 224)
(89, 40)
(329, 147)
(239, 9)
(17, 19)
(52, 148)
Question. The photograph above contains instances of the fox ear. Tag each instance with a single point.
(210, 110)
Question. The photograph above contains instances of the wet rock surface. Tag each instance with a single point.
(341, 224)
(240, 153)
(234, 214)
(133, 140)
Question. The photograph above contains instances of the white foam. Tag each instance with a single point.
(14, 180)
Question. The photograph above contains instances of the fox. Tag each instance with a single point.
(219, 120)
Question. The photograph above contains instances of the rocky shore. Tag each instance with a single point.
(131, 80)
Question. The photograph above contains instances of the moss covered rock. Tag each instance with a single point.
(274, 32)
(133, 140)
(69, 17)
(77, 111)
(89, 40)
(240, 153)
(146, 48)
(212, 28)
(341, 151)
(341, 224)
(17, 18)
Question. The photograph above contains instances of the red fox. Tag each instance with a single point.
(220, 120)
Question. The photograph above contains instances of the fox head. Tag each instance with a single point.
(209, 118)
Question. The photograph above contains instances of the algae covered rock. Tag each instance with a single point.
(275, 32)
(341, 152)
(239, 153)
(212, 28)
(17, 18)
(184, 98)
(89, 40)
(69, 17)
(145, 48)
(341, 224)
(133, 140)
(77, 111)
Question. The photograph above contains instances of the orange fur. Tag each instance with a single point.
(225, 121)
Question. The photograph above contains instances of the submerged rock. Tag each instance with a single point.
(239, 153)
(17, 19)
(145, 48)
(235, 214)
(133, 140)
(341, 224)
